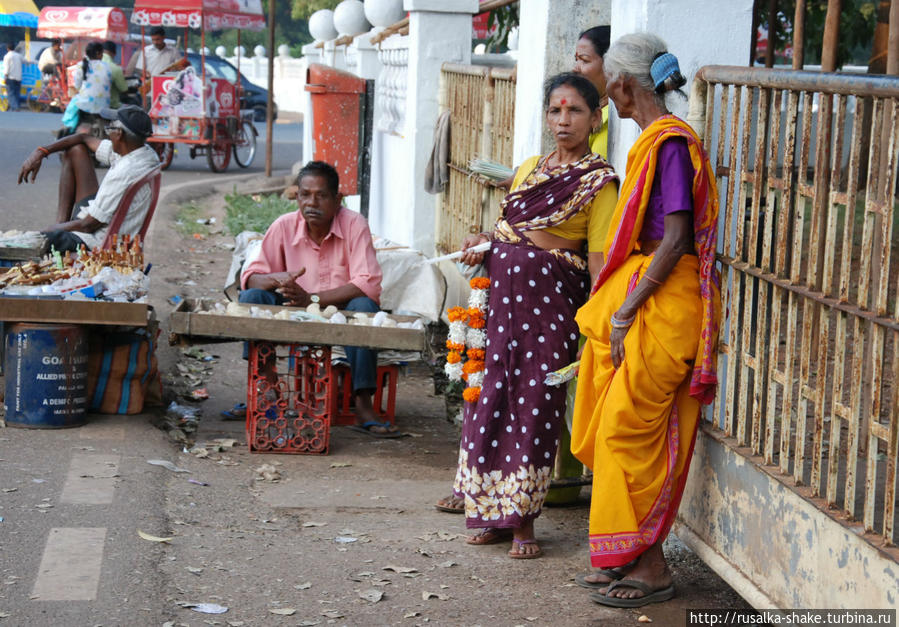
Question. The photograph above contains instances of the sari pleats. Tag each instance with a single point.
(635, 426)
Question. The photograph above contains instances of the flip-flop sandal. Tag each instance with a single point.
(238, 412)
(366, 429)
(490, 535)
(447, 508)
(581, 578)
(650, 595)
(524, 556)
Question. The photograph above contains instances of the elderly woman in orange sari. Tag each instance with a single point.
(651, 327)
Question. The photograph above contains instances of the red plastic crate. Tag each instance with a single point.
(295, 414)
(385, 394)
(292, 415)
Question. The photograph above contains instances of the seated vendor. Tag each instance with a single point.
(85, 207)
(322, 254)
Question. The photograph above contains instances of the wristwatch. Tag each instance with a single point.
(313, 298)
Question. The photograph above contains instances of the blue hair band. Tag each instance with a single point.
(664, 66)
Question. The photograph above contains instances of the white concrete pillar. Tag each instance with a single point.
(548, 32)
(362, 56)
(439, 31)
(698, 32)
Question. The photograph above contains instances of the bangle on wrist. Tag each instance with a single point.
(622, 324)
(652, 280)
(44, 151)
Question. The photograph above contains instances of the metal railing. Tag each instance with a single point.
(481, 101)
(806, 167)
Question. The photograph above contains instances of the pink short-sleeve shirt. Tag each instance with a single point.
(346, 255)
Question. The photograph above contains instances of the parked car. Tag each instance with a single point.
(253, 97)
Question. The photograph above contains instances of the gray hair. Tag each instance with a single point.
(632, 55)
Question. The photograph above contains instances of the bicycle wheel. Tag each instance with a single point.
(37, 105)
(245, 144)
(218, 155)
(166, 153)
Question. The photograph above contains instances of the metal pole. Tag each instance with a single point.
(831, 36)
(772, 21)
(893, 44)
(270, 105)
(754, 40)
(799, 35)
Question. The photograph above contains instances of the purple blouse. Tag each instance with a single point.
(672, 188)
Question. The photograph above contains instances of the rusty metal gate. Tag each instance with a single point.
(481, 101)
(806, 167)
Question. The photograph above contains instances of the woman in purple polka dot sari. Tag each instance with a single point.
(539, 276)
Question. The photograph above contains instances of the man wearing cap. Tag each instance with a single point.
(86, 208)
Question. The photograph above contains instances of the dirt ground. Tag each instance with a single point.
(352, 538)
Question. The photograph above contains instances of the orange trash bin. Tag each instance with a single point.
(337, 122)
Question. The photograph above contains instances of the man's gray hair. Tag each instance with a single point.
(633, 55)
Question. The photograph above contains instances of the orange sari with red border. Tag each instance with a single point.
(635, 426)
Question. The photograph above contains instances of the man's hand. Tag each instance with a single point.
(293, 294)
(32, 166)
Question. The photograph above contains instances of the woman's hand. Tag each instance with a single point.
(473, 259)
(31, 166)
(616, 346)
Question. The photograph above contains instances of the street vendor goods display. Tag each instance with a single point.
(190, 107)
(117, 273)
(290, 407)
(467, 330)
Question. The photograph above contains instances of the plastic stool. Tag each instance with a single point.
(342, 389)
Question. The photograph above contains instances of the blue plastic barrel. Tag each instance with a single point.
(46, 375)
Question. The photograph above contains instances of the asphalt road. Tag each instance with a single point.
(30, 207)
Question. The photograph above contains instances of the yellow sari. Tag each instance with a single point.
(635, 426)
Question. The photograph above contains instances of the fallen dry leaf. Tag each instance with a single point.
(312, 523)
(411, 615)
(372, 595)
(283, 611)
(147, 536)
(400, 569)
(433, 595)
(340, 464)
(303, 586)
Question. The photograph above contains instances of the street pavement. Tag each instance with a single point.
(350, 538)
(30, 207)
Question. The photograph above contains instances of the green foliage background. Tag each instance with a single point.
(857, 20)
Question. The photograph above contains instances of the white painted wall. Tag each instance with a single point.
(546, 47)
(698, 32)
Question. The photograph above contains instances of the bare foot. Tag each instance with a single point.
(651, 569)
(524, 544)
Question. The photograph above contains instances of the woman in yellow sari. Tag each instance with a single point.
(651, 327)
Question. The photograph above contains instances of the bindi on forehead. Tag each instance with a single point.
(564, 101)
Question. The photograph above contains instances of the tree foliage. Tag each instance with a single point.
(302, 9)
(857, 20)
(505, 19)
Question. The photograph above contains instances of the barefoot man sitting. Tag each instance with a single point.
(322, 254)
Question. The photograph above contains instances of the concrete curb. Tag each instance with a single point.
(192, 190)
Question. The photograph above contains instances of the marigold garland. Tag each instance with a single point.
(471, 395)
(474, 317)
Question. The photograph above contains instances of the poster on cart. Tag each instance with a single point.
(180, 96)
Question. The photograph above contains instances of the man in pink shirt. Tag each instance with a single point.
(322, 254)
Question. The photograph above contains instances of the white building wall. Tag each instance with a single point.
(698, 32)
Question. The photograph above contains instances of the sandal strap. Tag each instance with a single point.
(630, 583)
(516, 541)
